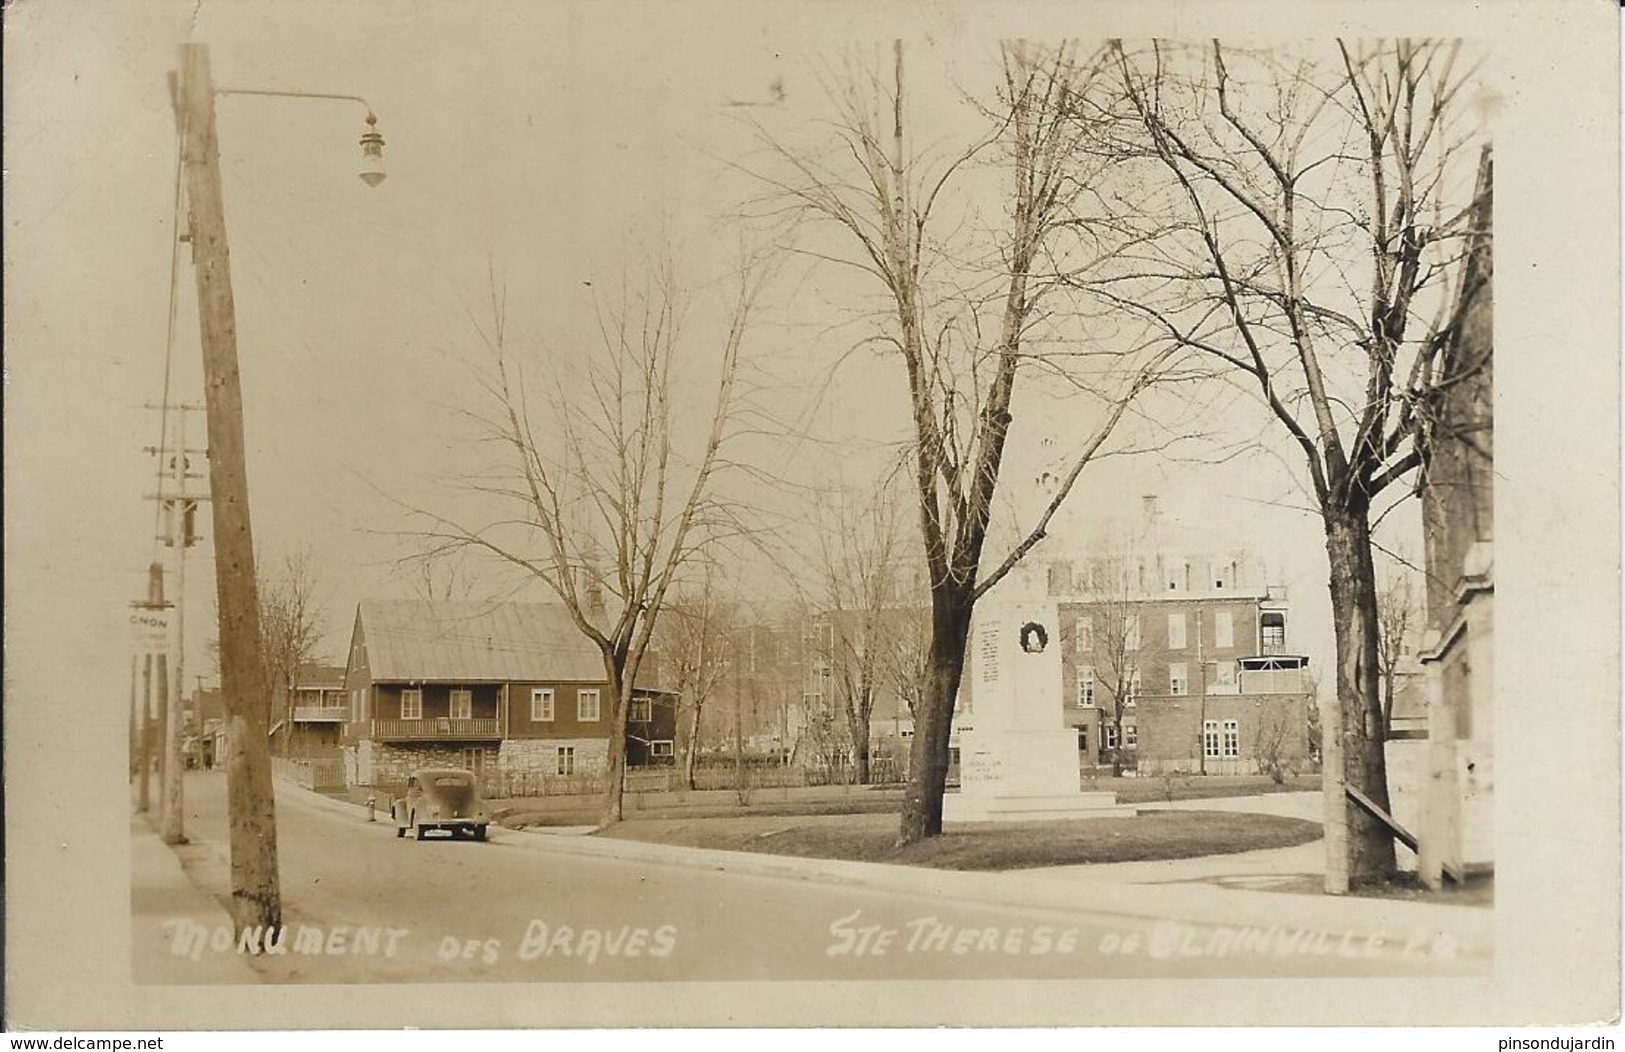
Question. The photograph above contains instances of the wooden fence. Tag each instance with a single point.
(321, 774)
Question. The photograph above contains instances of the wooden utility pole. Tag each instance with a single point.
(144, 800)
(135, 723)
(178, 514)
(256, 898)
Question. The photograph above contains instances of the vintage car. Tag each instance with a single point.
(440, 798)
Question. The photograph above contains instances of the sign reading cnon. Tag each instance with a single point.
(149, 630)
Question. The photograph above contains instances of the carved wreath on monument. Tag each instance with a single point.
(1034, 638)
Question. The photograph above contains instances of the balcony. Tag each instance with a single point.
(434, 728)
(320, 713)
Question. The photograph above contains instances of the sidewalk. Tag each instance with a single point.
(1256, 868)
(161, 891)
(1079, 890)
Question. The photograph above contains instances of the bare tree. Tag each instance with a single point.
(970, 308)
(1398, 615)
(864, 604)
(603, 504)
(1107, 635)
(1275, 739)
(1304, 218)
(698, 647)
(293, 621)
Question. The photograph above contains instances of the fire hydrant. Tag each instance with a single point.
(372, 802)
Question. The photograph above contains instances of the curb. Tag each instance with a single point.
(1470, 928)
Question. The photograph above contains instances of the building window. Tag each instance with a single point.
(1177, 684)
(1176, 631)
(1131, 632)
(1086, 688)
(1131, 687)
(566, 755)
(412, 704)
(1210, 739)
(1232, 739)
(1131, 736)
(541, 706)
(1083, 636)
(587, 706)
(462, 704)
(1224, 675)
(1273, 632)
(661, 750)
(1108, 733)
(642, 711)
(1083, 739)
(1224, 631)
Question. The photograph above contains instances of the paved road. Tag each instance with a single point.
(389, 910)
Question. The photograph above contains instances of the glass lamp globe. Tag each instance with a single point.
(372, 153)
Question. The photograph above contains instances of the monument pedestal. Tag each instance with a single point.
(1024, 776)
(1018, 761)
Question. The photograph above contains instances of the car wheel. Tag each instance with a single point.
(422, 832)
(400, 831)
(479, 832)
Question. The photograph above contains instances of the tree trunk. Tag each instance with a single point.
(933, 719)
(1354, 620)
(857, 726)
(615, 761)
(1117, 750)
(690, 760)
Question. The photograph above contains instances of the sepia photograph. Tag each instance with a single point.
(624, 514)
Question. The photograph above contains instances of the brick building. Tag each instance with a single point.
(1193, 652)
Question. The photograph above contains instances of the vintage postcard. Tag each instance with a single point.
(593, 514)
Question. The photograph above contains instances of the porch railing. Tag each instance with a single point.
(320, 713)
(434, 728)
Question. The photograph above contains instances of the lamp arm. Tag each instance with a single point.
(298, 95)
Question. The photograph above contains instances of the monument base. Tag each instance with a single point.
(1009, 807)
(1024, 776)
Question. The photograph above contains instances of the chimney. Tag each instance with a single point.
(1060, 577)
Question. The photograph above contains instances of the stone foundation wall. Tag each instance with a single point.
(371, 762)
(539, 756)
(381, 764)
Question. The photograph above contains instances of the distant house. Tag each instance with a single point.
(316, 709)
(513, 688)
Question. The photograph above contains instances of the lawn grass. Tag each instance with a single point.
(1155, 788)
(873, 838)
(885, 800)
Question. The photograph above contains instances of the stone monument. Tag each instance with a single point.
(1018, 761)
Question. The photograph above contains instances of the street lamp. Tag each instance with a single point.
(256, 897)
(372, 153)
(372, 141)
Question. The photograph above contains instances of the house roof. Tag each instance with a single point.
(417, 640)
(311, 675)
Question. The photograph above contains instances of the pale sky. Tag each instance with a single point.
(543, 143)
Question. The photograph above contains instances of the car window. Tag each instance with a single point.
(451, 782)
